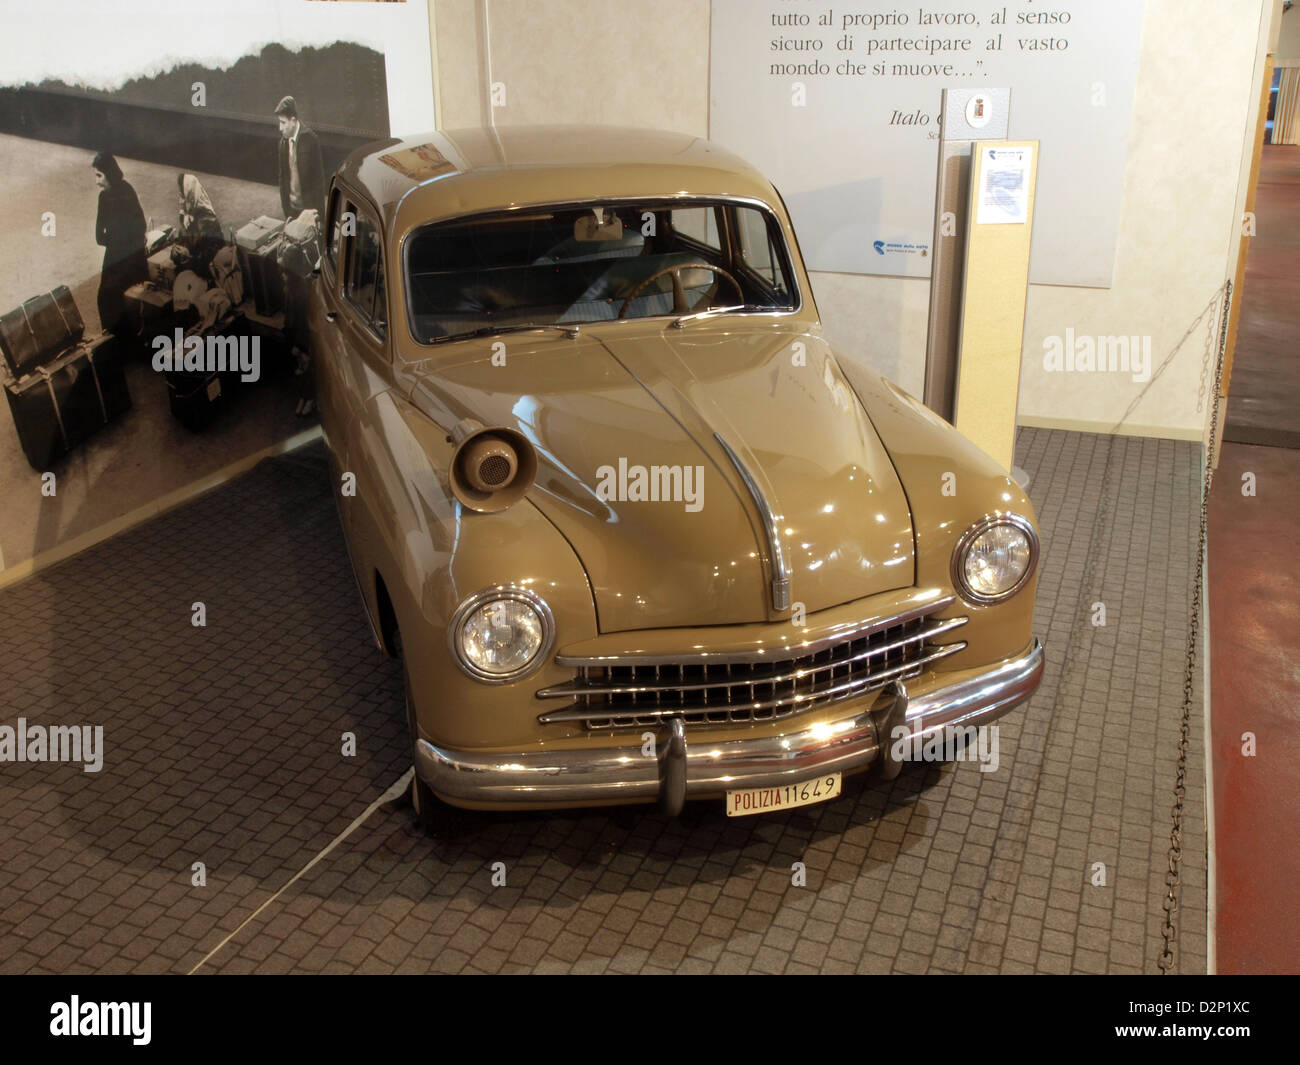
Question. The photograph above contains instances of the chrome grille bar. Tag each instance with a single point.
(773, 676)
(819, 694)
(607, 693)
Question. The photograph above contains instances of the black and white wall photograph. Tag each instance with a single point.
(174, 181)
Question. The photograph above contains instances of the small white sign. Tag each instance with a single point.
(1004, 185)
(979, 111)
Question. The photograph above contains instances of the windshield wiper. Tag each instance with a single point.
(570, 331)
(716, 312)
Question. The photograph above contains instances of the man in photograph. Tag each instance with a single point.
(302, 188)
(302, 179)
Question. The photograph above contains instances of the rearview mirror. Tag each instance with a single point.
(592, 227)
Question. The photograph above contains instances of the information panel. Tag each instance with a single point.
(839, 105)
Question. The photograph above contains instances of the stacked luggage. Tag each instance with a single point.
(195, 397)
(62, 388)
(301, 251)
(162, 268)
(153, 310)
(214, 303)
(259, 244)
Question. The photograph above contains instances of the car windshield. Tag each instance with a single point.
(576, 264)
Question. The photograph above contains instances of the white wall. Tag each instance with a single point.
(586, 61)
(1194, 112)
(1195, 105)
(1288, 42)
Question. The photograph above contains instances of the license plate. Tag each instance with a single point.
(214, 388)
(745, 801)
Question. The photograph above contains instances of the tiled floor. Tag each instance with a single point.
(223, 746)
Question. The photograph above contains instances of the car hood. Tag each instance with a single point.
(632, 473)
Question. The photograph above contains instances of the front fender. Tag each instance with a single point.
(432, 554)
(950, 484)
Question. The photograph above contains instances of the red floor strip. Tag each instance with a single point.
(1254, 610)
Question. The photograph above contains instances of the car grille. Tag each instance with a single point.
(610, 696)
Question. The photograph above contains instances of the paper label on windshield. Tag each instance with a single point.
(419, 163)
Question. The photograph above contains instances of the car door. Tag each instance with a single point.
(329, 349)
(363, 322)
(356, 349)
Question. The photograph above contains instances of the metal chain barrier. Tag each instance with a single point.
(1173, 877)
(1220, 302)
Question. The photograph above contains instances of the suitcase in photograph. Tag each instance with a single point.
(255, 235)
(157, 239)
(228, 274)
(151, 309)
(262, 281)
(61, 404)
(42, 329)
(162, 268)
(196, 397)
(277, 362)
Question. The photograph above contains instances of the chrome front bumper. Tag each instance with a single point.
(682, 770)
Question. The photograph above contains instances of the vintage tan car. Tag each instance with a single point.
(636, 532)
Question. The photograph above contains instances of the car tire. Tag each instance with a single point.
(423, 800)
(433, 815)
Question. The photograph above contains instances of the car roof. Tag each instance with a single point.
(427, 177)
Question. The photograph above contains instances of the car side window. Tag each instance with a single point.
(363, 283)
(756, 247)
(699, 224)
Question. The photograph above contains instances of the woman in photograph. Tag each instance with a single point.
(120, 228)
(199, 229)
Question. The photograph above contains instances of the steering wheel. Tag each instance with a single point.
(679, 293)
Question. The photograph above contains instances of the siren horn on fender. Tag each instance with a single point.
(491, 468)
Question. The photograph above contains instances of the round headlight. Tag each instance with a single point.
(501, 634)
(994, 558)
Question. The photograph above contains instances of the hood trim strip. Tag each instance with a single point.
(780, 586)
